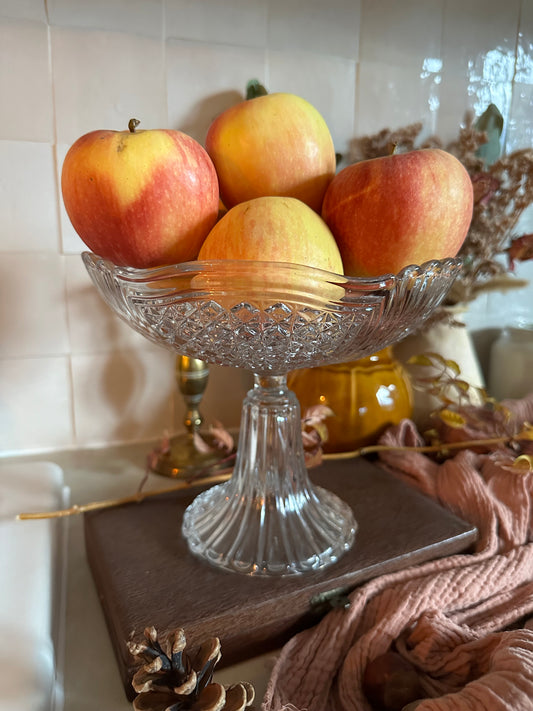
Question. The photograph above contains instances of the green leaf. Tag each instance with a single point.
(447, 400)
(526, 432)
(453, 366)
(491, 123)
(452, 419)
(524, 463)
(437, 357)
(461, 385)
(254, 88)
(420, 359)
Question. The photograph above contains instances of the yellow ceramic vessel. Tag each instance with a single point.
(366, 396)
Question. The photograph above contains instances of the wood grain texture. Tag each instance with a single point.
(145, 574)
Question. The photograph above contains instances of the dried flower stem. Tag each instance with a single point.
(363, 451)
(424, 449)
(134, 498)
(311, 421)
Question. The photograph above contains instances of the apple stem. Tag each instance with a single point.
(393, 147)
(132, 124)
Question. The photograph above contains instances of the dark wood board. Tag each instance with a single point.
(145, 574)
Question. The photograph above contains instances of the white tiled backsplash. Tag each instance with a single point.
(71, 374)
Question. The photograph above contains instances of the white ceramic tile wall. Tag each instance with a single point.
(72, 374)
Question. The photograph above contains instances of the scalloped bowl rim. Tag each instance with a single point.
(247, 267)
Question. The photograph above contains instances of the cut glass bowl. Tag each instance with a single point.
(270, 318)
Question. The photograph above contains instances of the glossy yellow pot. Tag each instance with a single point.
(366, 396)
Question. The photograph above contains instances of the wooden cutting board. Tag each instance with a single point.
(145, 574)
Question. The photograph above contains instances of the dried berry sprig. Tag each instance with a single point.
(171, 679)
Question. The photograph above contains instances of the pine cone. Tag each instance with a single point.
(171, 680)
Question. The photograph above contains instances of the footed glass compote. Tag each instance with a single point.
(271, 318)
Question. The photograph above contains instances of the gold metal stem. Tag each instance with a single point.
(192, 375)
(182, 458)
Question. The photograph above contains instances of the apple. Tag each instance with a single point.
(140, 198)
(272, 145)
(273, 229)
(407, 208)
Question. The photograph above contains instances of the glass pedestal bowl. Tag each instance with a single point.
(270, 318)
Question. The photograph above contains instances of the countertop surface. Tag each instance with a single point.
(91, 677)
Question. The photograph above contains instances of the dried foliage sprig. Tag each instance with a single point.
(466, 417)
(465, 412)
(503, 189)
(314, 433)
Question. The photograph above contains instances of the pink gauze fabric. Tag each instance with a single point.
(456, 619)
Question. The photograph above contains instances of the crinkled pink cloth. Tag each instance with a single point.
(455, 618)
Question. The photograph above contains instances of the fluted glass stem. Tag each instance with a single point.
(268, 519)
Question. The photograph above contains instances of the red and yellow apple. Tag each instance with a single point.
(408, 208)
(272, 145)
(273, 229)
(140, 198)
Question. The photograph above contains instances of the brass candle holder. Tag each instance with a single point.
(183, 459)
